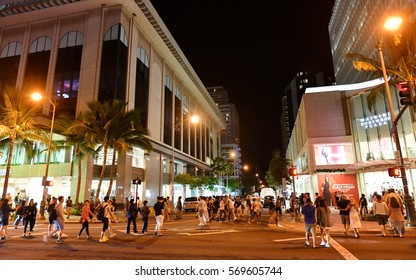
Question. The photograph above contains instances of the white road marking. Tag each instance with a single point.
(341, 250)
(208, 233)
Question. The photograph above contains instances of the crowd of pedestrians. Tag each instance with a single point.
(387, 207)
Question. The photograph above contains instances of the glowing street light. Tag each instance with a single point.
(37, 97)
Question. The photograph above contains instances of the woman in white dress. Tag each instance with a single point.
(355, 221)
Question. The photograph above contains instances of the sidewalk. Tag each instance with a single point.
(367, 227)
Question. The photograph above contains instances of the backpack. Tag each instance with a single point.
(394, 203)
(100, 212)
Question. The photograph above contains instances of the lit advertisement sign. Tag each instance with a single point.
(333, 154)
(338, 184)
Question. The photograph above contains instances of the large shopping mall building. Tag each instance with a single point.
(80, 51)
(337, 138)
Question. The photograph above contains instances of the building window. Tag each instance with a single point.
(67, 72)
(141, 100)
(167, 120)
(9, 63)
(114, 65)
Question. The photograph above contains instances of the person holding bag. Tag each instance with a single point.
(380, 211)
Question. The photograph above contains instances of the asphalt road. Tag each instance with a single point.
(184, 240)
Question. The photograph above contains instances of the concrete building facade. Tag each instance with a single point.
(81, 51)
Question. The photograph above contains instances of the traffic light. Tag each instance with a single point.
(394, 172)
(407, 93)
(293, 171)
(137, 181)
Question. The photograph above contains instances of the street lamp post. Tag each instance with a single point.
(194, 119)
(36, 97)
(393, 24)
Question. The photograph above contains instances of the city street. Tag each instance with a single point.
(184, 240)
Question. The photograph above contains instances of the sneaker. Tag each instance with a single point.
(23, 235)
(327, 245)
(78, 237)
(88, 236)
(105, 238)
(323, 243)
(307, 243)
(102, 240)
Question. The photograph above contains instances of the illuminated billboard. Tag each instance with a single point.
(334, 154)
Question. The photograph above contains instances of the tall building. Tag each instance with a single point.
(356, 27)
(80, 51)
(292, 98)
(230, 137)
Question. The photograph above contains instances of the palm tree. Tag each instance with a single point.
(126, 132)
(400, 52)
(99, 122)
(17, 123)
(77, 138)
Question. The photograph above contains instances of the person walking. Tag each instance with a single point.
(380, 211)
(355, 221)
(344, 213)
(86, 216)
(221, 210)
(139, 206)
(396, 216)
(132, 216)
(111, 217)
(257, 209)
(5, 210)
(145, 217)
(323, 220)
(105, 206)
(51, 215)
(60, 220)
(202, 212)
(28, 217)
(363, 207)
(309, 214)
(19, 211)
(68, 207)
(159, 208)
(179, 208)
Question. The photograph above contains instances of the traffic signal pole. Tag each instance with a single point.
(408, 200)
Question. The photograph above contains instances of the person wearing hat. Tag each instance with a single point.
(158, 208)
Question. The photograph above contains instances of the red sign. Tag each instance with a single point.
(338, 184)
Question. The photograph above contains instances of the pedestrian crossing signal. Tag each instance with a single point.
(394, 172)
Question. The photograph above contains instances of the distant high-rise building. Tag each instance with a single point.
(230, 137)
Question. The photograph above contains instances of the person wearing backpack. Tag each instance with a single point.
(52, 214)
(104, 208)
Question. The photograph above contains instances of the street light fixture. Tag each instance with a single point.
(193, 119)
(393, 24)
(37, 96)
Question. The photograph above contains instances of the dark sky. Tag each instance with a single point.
(253, 49)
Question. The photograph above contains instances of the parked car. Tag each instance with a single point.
(190, 204)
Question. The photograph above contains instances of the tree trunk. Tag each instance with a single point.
(113, 166)
(9, 164)
(78, 152)
(102, 169)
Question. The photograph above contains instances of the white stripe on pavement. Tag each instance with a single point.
(341, 250)
(208, 233)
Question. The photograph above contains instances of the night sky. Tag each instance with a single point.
(253, 49)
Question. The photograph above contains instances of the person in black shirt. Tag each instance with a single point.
(344, 212)
(363, 207)
(159, 207)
